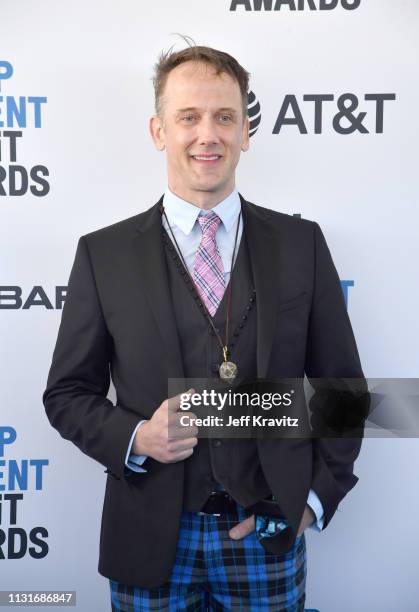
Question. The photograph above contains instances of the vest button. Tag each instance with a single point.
(216, 443)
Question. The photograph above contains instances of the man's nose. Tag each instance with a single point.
(207, 131)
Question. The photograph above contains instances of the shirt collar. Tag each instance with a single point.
(183, 214)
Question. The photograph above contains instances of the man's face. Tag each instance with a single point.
(203, 132)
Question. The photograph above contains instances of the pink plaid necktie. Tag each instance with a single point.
(208, 270)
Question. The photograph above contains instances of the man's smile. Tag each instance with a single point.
(207, 159)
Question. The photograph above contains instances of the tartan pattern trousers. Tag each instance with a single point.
(214, 572)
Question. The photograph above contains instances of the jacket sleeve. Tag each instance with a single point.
(75, 398)
(341, 394)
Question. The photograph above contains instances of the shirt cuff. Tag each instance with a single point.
(315, 504)
(133, 461)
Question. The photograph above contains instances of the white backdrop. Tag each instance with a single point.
(93, 62)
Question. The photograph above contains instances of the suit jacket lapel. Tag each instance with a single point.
(149, 253)
(263, 245)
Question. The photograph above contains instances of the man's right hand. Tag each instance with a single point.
(163, 437)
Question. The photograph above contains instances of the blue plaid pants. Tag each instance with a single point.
(214, 572)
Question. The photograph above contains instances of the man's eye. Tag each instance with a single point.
(225, 118)
(188, 118)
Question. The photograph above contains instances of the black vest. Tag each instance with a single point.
(233, 462)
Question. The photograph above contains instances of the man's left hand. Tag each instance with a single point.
(241, 530)
(308, 519)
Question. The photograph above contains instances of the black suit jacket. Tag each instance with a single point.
(118, 322)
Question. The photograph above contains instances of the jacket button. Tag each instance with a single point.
(216, 443)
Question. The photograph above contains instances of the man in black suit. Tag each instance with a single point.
(184, 522)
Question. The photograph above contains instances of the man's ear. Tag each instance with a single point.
(157, 132)
(245, 140)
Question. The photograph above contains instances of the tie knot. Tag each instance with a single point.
(209, 223)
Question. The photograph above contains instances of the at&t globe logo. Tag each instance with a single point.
(253, 111)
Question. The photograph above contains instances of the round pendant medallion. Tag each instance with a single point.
(228, 370)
